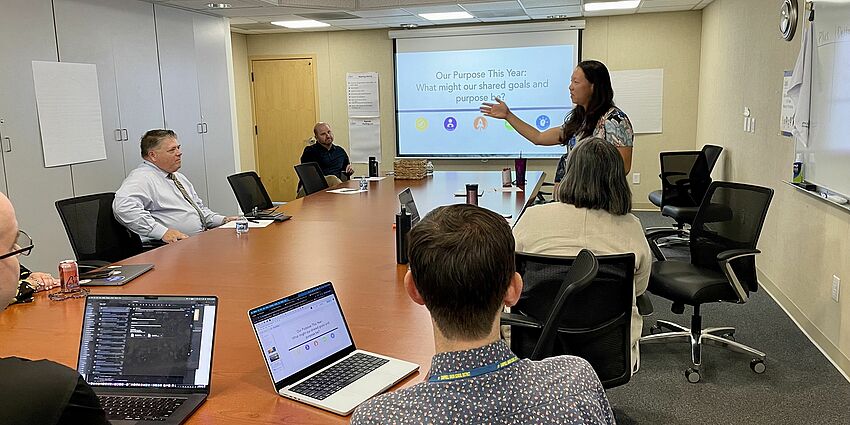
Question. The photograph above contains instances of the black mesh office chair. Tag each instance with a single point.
(723, 242)
(96, 237)
(685, 177)
(310, 175)
(567, 308)
(251, 194)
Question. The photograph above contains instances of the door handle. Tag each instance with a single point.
(126, 134)
(7, 142)
(118, 136)
(200, 127)
(205, 127)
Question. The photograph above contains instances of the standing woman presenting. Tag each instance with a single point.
(594, 115)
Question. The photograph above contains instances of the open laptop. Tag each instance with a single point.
(114, 275)
(406, 198)
(530, 197)
(148, 358)
(311, 356)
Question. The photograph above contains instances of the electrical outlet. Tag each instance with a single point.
(636, 178)
(836, 283)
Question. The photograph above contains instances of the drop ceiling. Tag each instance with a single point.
(254, 16)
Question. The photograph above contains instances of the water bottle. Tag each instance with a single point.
(241, 225)
(402, 228)
(373, 167)
(364, 184)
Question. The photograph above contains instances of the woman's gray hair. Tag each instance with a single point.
(596, 178)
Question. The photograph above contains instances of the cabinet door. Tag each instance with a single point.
(176, 46)
(84, 43)
(29, 35)
(136, 76)
(212, 38)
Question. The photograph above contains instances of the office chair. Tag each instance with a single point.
(685, 176)
(251, 193)
(96, 237)
(311, 178)
(580, 306)
(723, 242)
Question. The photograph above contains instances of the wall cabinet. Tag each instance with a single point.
(158, 67)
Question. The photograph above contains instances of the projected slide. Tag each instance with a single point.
(439, 93)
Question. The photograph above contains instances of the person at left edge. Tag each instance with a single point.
(156, 201)
(36, 392)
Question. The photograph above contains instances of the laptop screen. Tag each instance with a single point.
(406, 198)
(147, 341)
(300, 331)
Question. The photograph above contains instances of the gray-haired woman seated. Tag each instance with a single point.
(593, 212)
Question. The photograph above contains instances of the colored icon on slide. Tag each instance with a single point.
(480, 123)
(450, 124)
(508, 126)
(421, 124)
(542, 122)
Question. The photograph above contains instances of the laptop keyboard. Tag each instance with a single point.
(139, 408)
(338, 376)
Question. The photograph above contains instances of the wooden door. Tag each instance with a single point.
(284, 114)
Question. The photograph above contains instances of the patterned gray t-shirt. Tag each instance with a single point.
(557, 390)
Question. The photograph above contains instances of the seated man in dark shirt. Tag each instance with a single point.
(36, 392)
(462, 269)
(331, 158)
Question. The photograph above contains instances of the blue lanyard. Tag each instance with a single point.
(473, 372)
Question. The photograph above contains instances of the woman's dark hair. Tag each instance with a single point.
(596, 178)
(601, 100)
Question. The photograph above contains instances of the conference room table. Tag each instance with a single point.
(347, 239)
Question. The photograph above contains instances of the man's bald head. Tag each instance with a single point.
(9, 267)
(324, 135)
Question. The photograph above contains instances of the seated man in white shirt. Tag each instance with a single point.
(156, 201)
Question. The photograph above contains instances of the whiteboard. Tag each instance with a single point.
(826, 159)
(68, 102)
(639, 93)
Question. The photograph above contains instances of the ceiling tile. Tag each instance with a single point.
(395, 20)
(506, 19)
(379, 13)
(497, 5)
(433, 9)
(542, 12)
(549, 3)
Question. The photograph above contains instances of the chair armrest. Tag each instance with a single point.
(724, 259)
(654, 233)
(514, 319)
(732, 254)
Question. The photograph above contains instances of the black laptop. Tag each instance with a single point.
(406, 198)
(148, 358)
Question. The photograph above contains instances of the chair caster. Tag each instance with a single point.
(692, 375)
(655, 330)
(758, 366)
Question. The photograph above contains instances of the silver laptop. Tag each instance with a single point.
(311, 356)
(148, 358)
(114, 275)
(406, 198)
(530, 197)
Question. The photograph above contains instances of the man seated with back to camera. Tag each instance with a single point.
(42, 391)
(156, 201)
(462, 269)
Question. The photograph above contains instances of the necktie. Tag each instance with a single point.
(188, 199)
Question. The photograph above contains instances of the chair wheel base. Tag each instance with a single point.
(692, 375)
(758, 366)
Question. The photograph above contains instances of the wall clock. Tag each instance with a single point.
(788, 19)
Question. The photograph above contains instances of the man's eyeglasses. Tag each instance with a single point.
(23, 245)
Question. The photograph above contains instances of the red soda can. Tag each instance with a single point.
(69, 276)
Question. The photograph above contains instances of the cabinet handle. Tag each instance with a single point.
(118, 137)
(7, 142)
(205, 127)
(126, 134)
(200, 127)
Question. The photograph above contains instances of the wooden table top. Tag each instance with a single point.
(346, 239)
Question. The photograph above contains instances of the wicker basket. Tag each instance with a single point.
(409, 169)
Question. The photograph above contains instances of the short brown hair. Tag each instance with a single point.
(462, 260)
(153, 138)
(595, 178)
